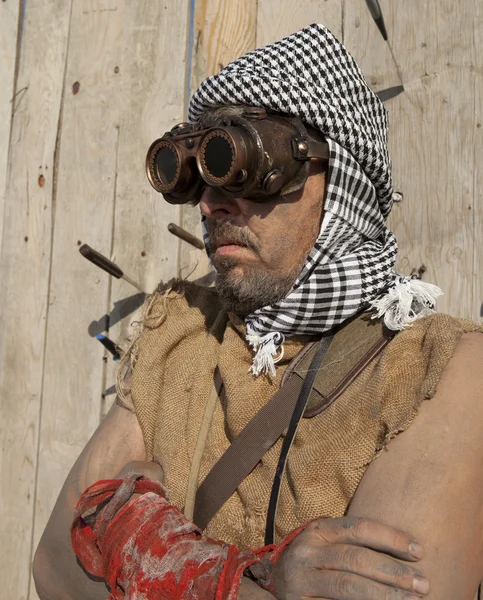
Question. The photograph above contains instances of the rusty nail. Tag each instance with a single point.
(185, 236)
(41, 180)
(75, 88)
(26, 238)
(143, 253)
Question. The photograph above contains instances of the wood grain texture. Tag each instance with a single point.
(277, 19)
(223, 31)
(434, 136)
(153, 101)
(9, 21)
(478, 168)
(86, 179)
(24, 272)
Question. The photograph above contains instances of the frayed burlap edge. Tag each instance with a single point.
(155, 313)
(467, 326)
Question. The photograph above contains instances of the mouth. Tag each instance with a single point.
(229, 241)
(229, 247)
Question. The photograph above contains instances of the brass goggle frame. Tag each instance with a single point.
(255, 155)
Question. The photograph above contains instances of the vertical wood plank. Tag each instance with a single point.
(279, 18)
(434, 129)
(477, 204)
(9, 20)
(86, 175)
(223, 30)
(24, 272)
(153, 80)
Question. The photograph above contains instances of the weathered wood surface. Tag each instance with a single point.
(153, 101)
(24, 272)
(72, 170)
(9, 16)
(85, 189)
(277, 19)
(435, 137)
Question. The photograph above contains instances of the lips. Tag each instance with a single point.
(228, 243)
(227, 238)
(225, 249)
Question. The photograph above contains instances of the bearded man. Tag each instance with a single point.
(286, 152)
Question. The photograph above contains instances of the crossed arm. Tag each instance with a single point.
(429, 483)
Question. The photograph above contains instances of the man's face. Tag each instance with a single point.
(259, 248)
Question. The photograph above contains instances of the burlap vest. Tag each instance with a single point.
(185, 334)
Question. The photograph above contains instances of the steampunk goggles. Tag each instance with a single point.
(255, 155)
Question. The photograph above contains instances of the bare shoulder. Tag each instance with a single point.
(468, 354)
(460, 390)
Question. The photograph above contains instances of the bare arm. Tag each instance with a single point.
(58, 575)
(117, 441)
(430, 480)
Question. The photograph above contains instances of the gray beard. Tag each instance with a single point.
(256, 289)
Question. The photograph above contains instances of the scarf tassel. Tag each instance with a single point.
(266, 348)
(410, 299)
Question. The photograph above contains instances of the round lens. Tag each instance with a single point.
(218, 157)
(166, 165)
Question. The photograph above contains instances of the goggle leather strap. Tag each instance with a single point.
(318, 150)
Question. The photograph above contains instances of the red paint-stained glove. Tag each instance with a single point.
(144, 547)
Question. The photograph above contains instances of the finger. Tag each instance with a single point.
(339, 585)
(367, 563)
(368, 533)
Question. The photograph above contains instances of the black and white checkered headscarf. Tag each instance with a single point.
(310, 75)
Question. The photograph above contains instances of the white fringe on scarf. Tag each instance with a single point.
(409, 300)
(266, 348)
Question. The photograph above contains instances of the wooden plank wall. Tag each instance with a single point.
(436, 137)
(9, 25)
(93, 82)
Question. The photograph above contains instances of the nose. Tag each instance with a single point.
(215, 204)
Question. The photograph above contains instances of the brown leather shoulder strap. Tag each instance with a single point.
(354, 347)
(257, 437)
(270, 422)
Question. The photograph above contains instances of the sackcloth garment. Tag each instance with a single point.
(185, 334)
(310, 75)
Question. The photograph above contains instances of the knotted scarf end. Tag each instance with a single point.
(266, 348)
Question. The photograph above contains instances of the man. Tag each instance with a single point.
(300, 252)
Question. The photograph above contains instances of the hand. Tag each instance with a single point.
(150, 469)
(350, 559)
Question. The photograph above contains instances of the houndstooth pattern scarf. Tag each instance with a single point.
(310, 75)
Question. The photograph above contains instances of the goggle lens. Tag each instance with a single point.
(218, 157)
(166, 165)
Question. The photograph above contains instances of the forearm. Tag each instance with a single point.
(57, 573)
(141, 543)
